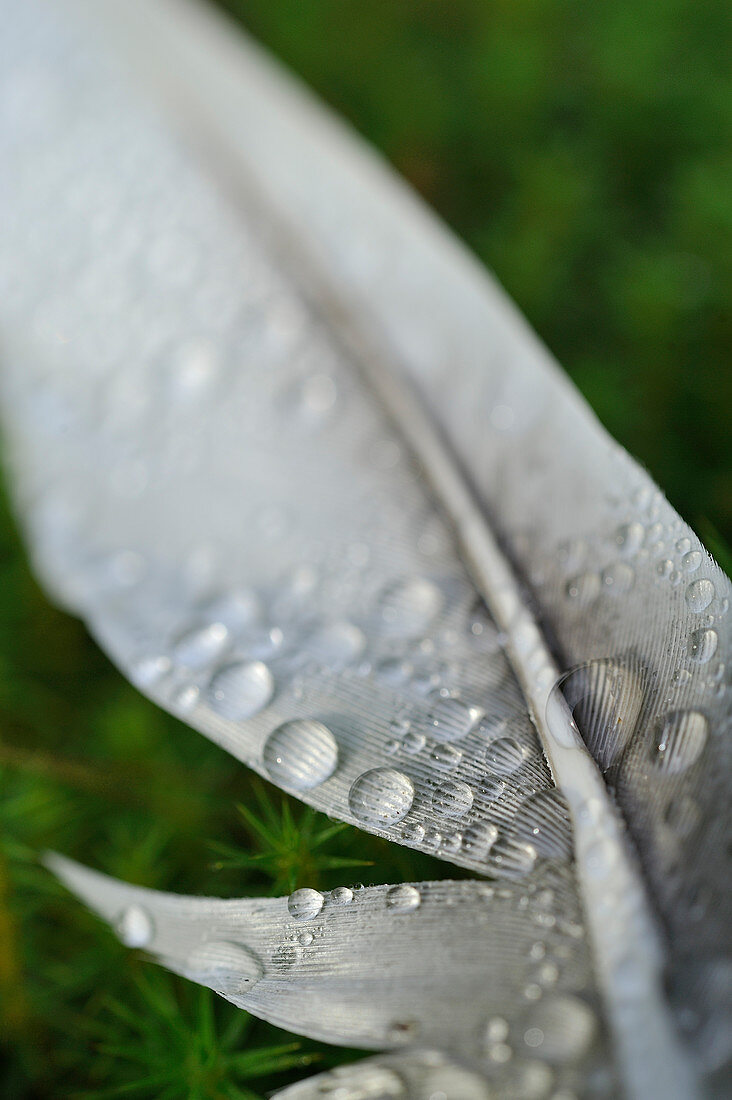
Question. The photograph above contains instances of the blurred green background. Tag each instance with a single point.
(584, 152)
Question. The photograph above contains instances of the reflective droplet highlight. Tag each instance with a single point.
(408, 606)
(449, 718)
(703, 645)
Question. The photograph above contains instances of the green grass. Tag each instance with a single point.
(583, 151)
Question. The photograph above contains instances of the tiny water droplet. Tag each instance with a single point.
(185, 698)
(681, 740)
(413, 742)
(664, 567)
(342, 895)
(445, 757)
(478, 839)
(336, 644)
(305, 939)
(449, 718)
(148, 671)
(227, 967)
(562, 1028)
(202, 646)
(381, 796)
(305, 904)
(703, 645)
(241, 690)
(413, 833)
(135, 926)
(629, 538)
(618, 578)
(408, 606)
(403, 898)
(300, 754)
(683, 546)
(452, 798)
(583, 589)
(504, 755)
(691, 561)
(511, 857)
(700, 594)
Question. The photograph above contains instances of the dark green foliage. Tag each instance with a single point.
(584, 152)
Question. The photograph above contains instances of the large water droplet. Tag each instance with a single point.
(681, 740)
(700, 594)
(562, 1028)
(543, 820)
(202, 646)
(381, 796)
(703, 645)
(604, 698)
(300, 754)
(241, 690)
(305, 904)
(135, 926)
(478, 839)
(403, 898)
(449, 718)
(504, 755)
(229, 968)
(408, 606)
(452, 799)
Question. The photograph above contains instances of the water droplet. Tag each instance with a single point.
(135, 926)
(478, 839)
(496, 1030)
(305, 939)
(511, 857)
(604, 698)
(408, 606)
(664, 567)
(449, 718)
(241, 690)
(543, 821)
(452, 798)
(445, 757)
(318, 395)
(491, 789)
(683, 545)
(305, 904)
(681, 740)
(703, 645)
(563, 1028)
(691, 561)
(629, 538)
(202, 646)
(700, 594)
(414, 742)
(403, 898)
(342, 895)
(229, 968)
(300, 754)
(413, 833)
(381, 797)
(618, 578)
(149, 671)
(336, 644)
(583, 589)
(504, 755)
(236, 610)
(185, 698)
